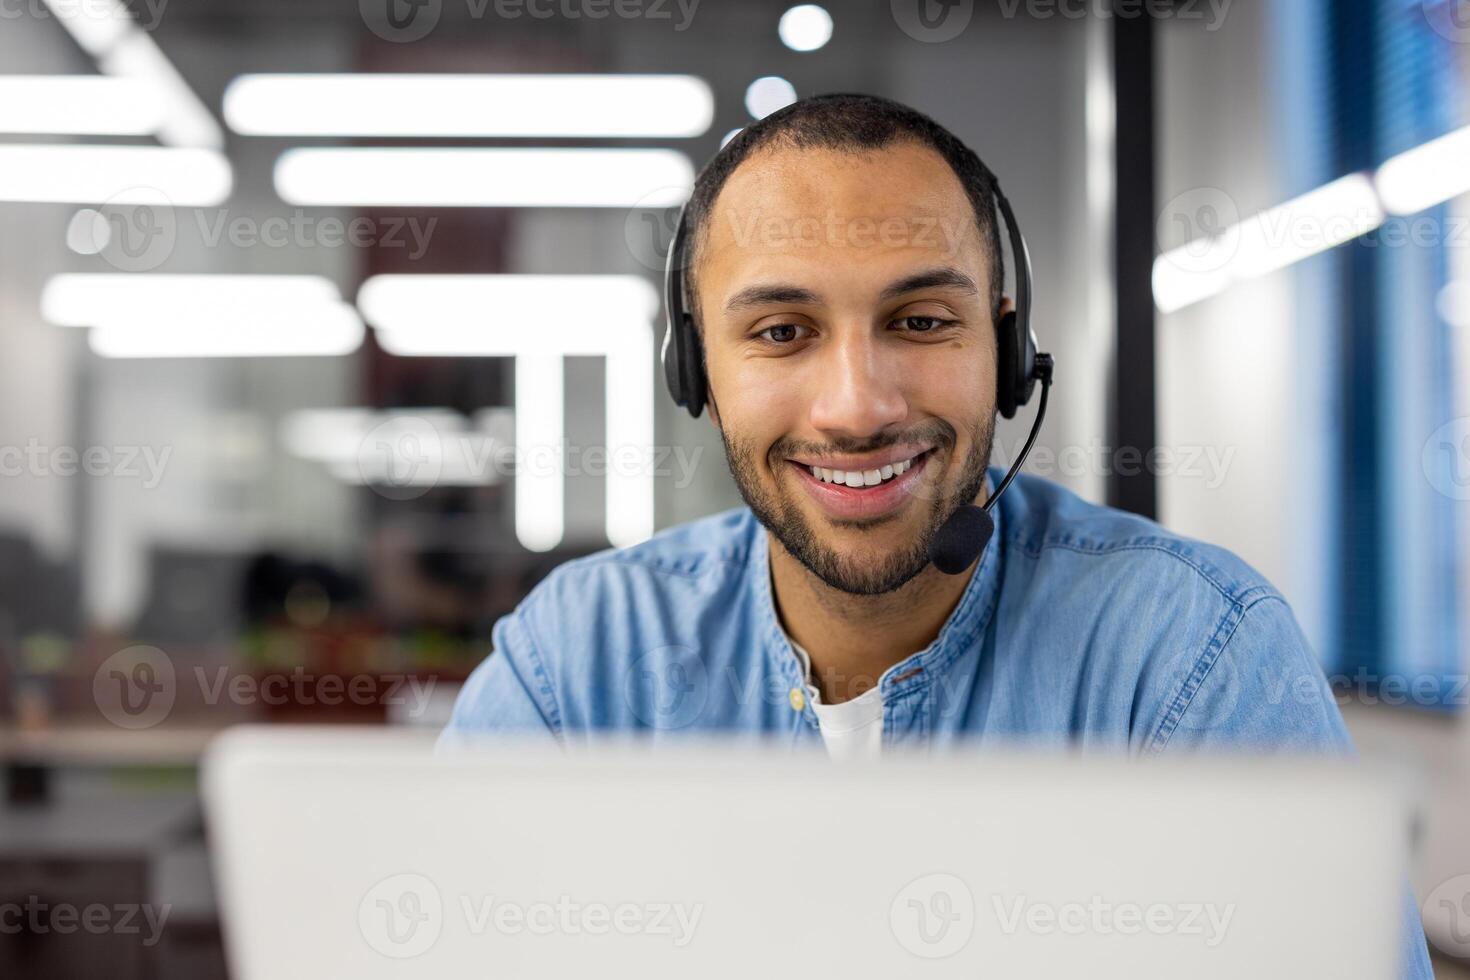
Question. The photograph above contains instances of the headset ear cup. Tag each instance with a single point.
(673, 374)
(1027, 376)
(1007, 366)
(695, 385)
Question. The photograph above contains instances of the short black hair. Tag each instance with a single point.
(853, 122)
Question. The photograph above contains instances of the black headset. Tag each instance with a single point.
(1017, 373)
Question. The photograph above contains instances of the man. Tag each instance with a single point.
(845, 276)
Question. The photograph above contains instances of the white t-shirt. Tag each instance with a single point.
(852, 729)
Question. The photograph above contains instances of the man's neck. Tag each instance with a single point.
(853, 639)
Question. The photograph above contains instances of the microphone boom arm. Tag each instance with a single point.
(1044, 366)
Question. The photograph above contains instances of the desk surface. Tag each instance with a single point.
(106, 745)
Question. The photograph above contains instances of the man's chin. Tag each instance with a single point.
(866, 575)
(871, 556)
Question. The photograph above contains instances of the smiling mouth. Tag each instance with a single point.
(864, 479)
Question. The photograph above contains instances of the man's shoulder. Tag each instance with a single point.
(1047, 521)
(1205, 649)
(698, 556)
(679, 602)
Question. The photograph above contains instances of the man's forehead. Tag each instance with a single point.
(900, 196)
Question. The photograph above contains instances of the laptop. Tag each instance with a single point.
(364, 854)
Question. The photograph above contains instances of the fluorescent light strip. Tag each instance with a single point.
(317, 331)
(486, 316)
(471, 315)
(186, 120)
(105, 29)
(81, 174)
(81, 105)
(204, 315)
(1427, 175)
(1315, 222)
(404, 105)
(351, 443)
(333, 435)
(96, 26)
(1415, 180)
(477, 177)
(87, 299)
(540, 429)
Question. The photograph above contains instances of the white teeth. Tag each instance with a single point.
(861, 478)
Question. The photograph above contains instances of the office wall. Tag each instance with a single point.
(1229, 368)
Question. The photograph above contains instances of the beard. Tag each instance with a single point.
(782, 515)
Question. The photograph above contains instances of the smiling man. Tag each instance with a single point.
(844, 273)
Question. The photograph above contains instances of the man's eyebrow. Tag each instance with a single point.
(930, 278)
(779, 293)
(752, 296)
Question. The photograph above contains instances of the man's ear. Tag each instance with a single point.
(1007, 305)
(711, 409)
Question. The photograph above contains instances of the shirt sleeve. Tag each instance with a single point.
(509, 692)
(1258, 685)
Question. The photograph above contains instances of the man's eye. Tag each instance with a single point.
(781, 333)
(923, 324)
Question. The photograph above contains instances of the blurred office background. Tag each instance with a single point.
(291, 411)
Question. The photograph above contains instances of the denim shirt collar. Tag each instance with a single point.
(915, 672)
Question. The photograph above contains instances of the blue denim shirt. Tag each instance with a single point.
(1081, 626)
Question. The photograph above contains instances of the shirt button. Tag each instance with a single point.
(798, 699)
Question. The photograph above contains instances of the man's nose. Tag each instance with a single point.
(859, 391)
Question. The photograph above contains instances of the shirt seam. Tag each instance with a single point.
(695, 571)
(1034, 550)
(1201, 670)
(546, 702)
